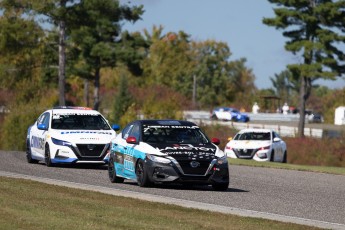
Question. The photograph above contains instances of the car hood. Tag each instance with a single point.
(248, 144)
(84, 136)
(188, 151)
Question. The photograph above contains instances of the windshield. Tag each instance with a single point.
(79, 122)
(256, 136)
(174, 135)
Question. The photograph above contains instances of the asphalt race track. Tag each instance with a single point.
(302, 197)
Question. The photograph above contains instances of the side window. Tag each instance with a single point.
(40, 119)
(135, 132)
(126, 131)
(46, 120)
(43, 119)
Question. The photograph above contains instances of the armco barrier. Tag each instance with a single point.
(284, 131)
(203, 117)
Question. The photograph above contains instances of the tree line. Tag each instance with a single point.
(68, 52)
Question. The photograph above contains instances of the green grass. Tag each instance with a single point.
(26, 204)
(322, 169)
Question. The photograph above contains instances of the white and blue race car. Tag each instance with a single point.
(166, 151)
(69, 135)
(229, 114)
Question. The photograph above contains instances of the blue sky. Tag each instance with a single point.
(236, 22)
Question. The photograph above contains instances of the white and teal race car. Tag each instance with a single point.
(167, 151)
(69, 135)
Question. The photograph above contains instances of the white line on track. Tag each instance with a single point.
(181, 202)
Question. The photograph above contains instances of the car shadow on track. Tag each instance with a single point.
(176, 186)
(80, 166)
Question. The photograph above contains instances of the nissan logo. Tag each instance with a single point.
(194, 164)
(91, 147)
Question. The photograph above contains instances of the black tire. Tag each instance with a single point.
(220, 186)
(285, 158)
(29, 156)
(112, 172)
(272, 156)
(47, 158)
(142, 178)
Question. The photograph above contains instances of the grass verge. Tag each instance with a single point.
(26, 204)
(321, 169)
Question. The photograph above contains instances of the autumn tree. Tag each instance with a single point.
(315, 29)
(168, 62)
(95, 36)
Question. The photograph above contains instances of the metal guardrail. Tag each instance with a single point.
(203, 117)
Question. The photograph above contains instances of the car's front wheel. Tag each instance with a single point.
(214, 117)
(143, 179)
(47, 157)
(112, 172)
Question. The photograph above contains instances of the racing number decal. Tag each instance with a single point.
(37, 142)
(128, 161)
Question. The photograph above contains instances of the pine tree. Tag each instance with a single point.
(315, 29)
(122, 100)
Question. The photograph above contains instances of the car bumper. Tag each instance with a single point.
(167, 173)
(261, 155)
(73, 154)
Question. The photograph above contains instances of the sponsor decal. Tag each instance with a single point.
(85, 132)
(169, 126)
(89, 138)
(187, 147)
(59, 115)
(37, 142)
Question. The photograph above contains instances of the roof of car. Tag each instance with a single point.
(73, 109)
(167, 122)
(255, 130)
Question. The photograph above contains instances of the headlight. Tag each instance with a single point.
(222, 160)
(264, 148)
(60, 142)
(158, 159)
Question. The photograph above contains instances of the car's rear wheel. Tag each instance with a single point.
(112, 172)
(47, 157)
(29, 156)
(284, 157)
(143, 179)
(220, 186)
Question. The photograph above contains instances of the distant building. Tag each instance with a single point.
(339, 116)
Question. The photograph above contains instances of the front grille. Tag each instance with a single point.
(92, 152)
(199, 170)
(245, 153)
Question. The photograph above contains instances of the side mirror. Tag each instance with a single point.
(131, 140)
(276, 139)
(42, 127)
(215, 141)
(115, 127)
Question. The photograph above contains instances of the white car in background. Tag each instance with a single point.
(69, 135)
(257, 144)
